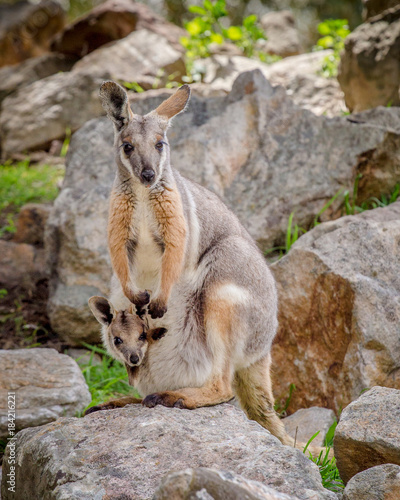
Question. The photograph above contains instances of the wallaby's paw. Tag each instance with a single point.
(157, 308)
(169, 399)
(140, 299)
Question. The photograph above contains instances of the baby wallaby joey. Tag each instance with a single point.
(125, 335)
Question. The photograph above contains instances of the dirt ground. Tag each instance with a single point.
(24, 321)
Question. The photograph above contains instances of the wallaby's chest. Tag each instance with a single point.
(148, 247)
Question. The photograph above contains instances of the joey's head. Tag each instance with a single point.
(141, 144)
(125, 335)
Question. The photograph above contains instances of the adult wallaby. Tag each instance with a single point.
(179, 251)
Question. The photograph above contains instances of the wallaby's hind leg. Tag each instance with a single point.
(253, 388)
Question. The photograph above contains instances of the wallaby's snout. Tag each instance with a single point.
(147, 176)
(134, 359)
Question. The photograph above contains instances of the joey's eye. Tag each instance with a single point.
(117, 341)
(160, 146)
(143, 336)
(128, 148)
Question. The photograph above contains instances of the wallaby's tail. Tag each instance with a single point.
(253, 388)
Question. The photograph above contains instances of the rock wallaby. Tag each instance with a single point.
(181, 255)
(127, 338)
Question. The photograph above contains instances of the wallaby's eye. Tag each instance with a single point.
(143, 336)
(160, 146)
(117, 341)
(128, 148)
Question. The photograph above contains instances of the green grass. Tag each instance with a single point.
(327, 466)
(106, 379)
(21, 183)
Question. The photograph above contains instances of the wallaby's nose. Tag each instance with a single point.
(148, 175)
(134, 359)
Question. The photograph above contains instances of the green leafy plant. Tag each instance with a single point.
(208, 28)
(132, 86)
(106, 379)
(333, 33)
(327, 466)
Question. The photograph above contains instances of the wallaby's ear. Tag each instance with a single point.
(174, 104)
(102, 309)
(157, 333)
(115, 101)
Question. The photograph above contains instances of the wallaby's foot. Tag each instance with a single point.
(169, 399)
(157, 308)
(111, 405)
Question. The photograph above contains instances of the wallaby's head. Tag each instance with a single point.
(141, 145)
(125, 335)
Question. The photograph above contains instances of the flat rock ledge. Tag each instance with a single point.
(125, 453)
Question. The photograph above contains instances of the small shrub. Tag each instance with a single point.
(209, 27)
(333, 34)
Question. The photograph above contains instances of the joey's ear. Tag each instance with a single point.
(157, 333)
(174, 104)
(115, 101)
(102, 309)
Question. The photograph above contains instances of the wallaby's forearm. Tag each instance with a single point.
(120, 239)
(168, 211)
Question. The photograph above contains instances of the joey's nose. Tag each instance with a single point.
(134, 359)
(148, 175)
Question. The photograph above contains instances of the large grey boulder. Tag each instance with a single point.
(262, 154)
(47, 385)
(297, 74)
(41, 112)
(113, 20)
(339, 313)
(125, 453)
(368, 433)
(369, 71)
(14, 77)
(211, 484)
(380, 482)
(143, 57)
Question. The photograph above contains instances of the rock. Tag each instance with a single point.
(375, 7)
(110, 21)
(339, 296)
(27, 28)
(297, 74)
(21, 265)
(214, 485)
(368, 432)
(124, 453)
(47, 385)
(31, 222)
(307, 422)
(41, 112)
(143, 57)
(369, 71)
(282, 36)
(380, 482)
(31, 70)
(263, 155)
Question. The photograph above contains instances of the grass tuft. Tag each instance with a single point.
(106, 378)
(327, 466)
